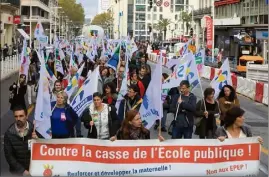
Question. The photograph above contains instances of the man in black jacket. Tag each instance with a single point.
(16, 139)
(183, 106)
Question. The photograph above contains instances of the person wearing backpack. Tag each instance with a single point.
(101, 119)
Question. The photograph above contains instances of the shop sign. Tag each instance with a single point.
(209, 31)
(17, 19)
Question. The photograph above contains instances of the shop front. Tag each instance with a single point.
(262, 43)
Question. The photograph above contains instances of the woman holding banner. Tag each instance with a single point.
(132, 128)
(234, 126)
(63, 118)
(100, 118)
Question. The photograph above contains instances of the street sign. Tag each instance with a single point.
(166, 4)
(159, 3)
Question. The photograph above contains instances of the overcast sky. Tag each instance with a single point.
(90, 7)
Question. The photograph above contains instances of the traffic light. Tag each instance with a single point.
(191, 32)
(150, 3)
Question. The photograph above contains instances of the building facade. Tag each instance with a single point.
(9, 14)
(240, 17)
(201, 8)
(135, 17)
(40, 11)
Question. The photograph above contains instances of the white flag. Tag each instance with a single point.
(83, 98)
(43, 105)
(222, 78)
(151, 108)
(179, 74)
(25, 61)
(124, 87)
(73, 83)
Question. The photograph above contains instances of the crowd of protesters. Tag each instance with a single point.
(104, 121)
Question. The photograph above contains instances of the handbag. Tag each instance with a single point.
(173, 123)
(198, 120)
(11, 96)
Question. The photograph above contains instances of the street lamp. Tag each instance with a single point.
(55, 7)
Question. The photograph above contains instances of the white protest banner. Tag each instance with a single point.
(91, 157)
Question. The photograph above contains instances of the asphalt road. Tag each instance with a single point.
(256, 116)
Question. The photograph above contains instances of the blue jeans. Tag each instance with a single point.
(180, 132)
(163, 120)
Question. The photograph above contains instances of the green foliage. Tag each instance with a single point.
(186, 18)
(161, 26)
(74, 11)
(104, 19)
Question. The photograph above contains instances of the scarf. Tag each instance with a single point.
(135, 133)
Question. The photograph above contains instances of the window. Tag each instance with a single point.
(179, 8)
(149, 17)
(161, 9)
(155, 17)
(140, 1)
(149, 9)
(155, 9)
(172, 8)
(175, 17)
(179, 1)
(140, 26)
(140, 17)
(176, 26)
(140, 8)
(161, 16)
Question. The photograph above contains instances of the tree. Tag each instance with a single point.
(104, 20)
(158, 28)
(186, 18)
(74, 11)
(162, 25)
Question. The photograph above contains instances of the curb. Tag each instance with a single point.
(8, 76)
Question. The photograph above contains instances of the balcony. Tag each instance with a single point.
(15, 3)
(201, 12)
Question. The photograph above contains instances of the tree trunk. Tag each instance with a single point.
(187, 25)
(164, 34)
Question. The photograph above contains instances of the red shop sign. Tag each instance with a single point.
(209, 32)
(17, 19)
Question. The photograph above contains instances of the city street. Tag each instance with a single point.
(256, 116)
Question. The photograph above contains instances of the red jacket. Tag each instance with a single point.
(141, 88)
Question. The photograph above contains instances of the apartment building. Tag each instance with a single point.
(235, 17)
(9, 17)
(40, 11)
(135, 17)
(201, 8)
